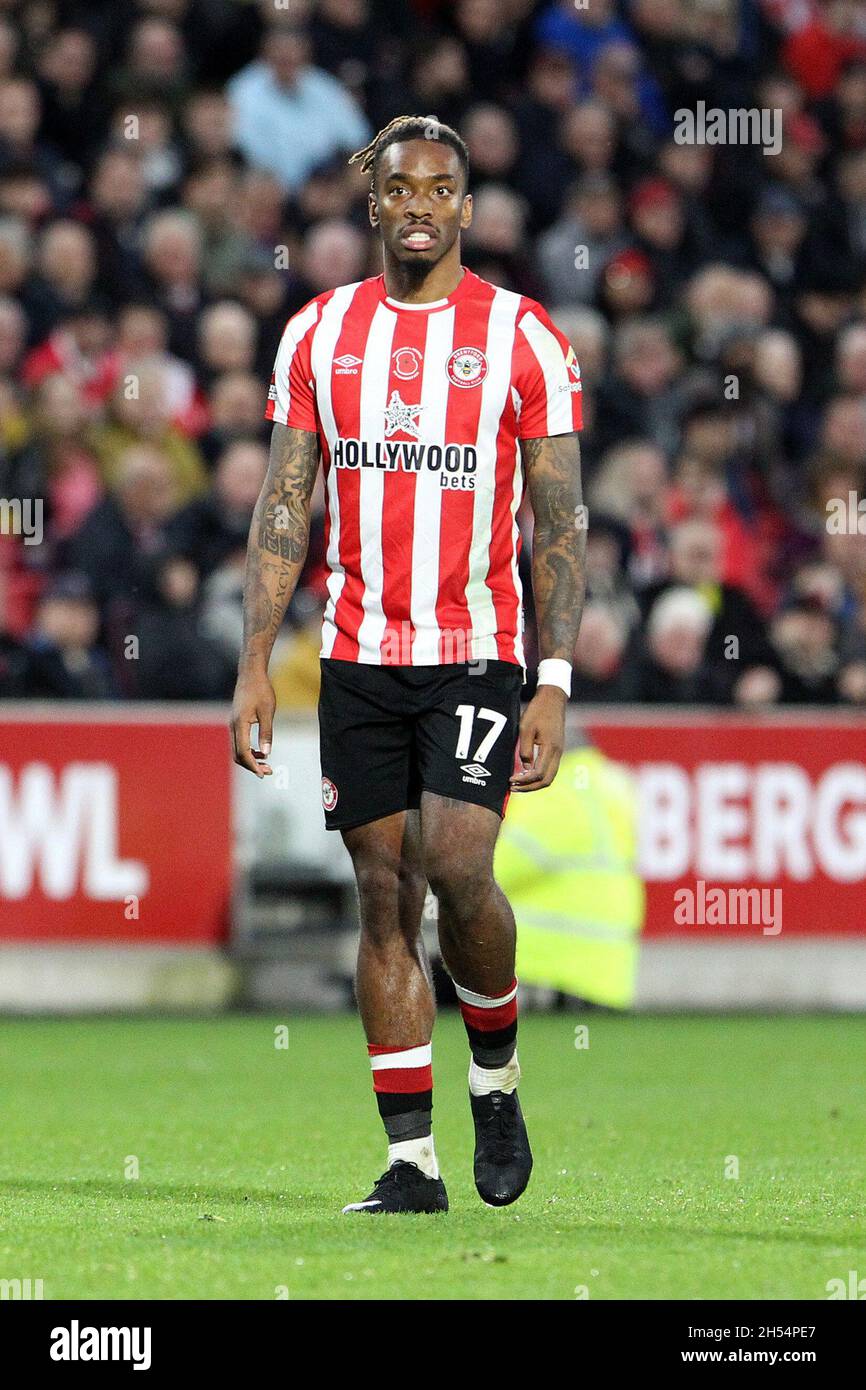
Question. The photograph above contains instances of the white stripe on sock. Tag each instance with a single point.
(484, 1001)
(412, 1057)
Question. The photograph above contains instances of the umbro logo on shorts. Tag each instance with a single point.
(478, 774)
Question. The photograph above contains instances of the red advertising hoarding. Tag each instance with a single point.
(114, 825)
(725, 802)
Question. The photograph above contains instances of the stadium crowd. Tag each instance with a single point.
(174, 185)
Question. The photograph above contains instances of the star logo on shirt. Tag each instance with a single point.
(400, 416)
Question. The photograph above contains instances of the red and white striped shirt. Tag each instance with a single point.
(419, 409)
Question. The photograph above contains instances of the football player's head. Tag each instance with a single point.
(419, 199)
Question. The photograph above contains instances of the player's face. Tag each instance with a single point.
(420, 205)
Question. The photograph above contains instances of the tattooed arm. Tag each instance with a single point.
(558, 547)
(277, 548)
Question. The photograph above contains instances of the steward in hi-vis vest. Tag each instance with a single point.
(566, 860)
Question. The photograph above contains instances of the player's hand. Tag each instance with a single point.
(254, 703)
(542, 739)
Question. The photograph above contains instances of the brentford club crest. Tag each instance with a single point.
(329, 794)
(467, 367)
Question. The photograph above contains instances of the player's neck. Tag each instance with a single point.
(404, 284)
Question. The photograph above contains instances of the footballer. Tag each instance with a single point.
(432, 401)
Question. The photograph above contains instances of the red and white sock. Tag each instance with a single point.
(403, 1083)
(491, 1026)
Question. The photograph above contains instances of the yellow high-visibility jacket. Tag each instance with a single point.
(565, 859)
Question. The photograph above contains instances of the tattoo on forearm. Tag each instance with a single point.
(559, 541)
(279, 535)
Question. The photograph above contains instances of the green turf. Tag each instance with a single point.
(246, 1153)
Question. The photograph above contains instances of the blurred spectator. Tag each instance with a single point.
(734, 638)
(142, 333)
(121, 535)
(495, 241)
(803, 636)
(627, 285)
(226, 340)
(586, 236)
(149, 124)
(490, 39)
(80, 347)
(235, 406)
(599, 673)
(20, 120)
(73, 111)
(643, 395)
(176, 660)
(155, 63)
(13, 654)
(289, 115)
(210, 193)
(13, 331)
(334, 253)
(16, 280)
(57, 464)
(64, 660)
(117, 205)
(216, 526)
(67, 263)
(673, 667)
(172, 254)
(140, 413)
(632, 487)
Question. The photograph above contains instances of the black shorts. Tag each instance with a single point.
(387, 732)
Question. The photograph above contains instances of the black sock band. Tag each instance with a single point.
(406, 1115)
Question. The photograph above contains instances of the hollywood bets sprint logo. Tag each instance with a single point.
(59, 831)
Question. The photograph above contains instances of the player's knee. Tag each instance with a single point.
(384, 881)
(459, 882)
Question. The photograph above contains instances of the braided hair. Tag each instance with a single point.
(409, 128)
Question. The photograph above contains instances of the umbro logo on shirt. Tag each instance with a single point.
(347, 365)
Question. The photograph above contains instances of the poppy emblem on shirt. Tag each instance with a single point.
(467, 367)
(407, 363)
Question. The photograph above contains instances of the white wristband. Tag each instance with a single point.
(555, 671)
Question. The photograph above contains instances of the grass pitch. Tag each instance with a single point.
(245, 1152)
